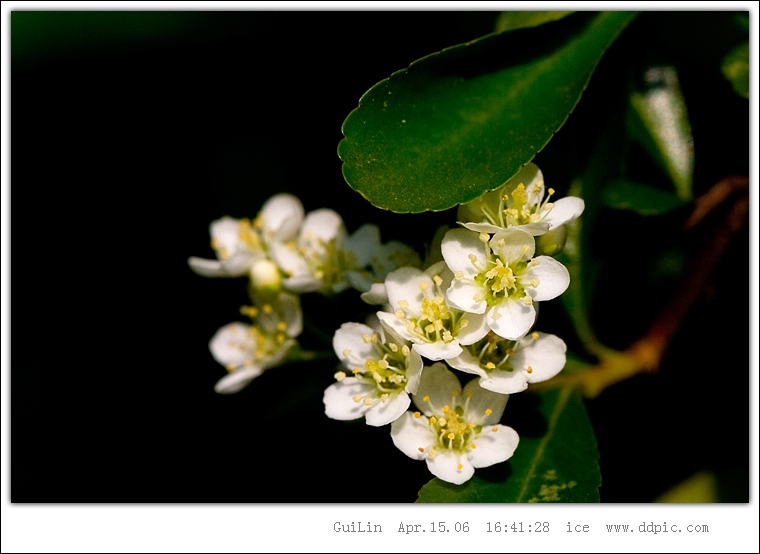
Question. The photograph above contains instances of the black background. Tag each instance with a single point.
(126, 145)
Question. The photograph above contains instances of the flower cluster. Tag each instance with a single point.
(285, 252)
(474, 312)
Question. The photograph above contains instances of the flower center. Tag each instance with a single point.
(436, 321)
(493, 352)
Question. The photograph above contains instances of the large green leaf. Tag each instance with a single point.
(641, 198)
(560, 463)
(463, 121)
(509, 21)
(735, 68)
(658, 120)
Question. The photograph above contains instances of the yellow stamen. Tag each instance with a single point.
(417, 415)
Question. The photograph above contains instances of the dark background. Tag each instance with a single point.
(131, 132)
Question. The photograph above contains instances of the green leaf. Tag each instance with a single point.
(460, 122)
(509, 21)
(736, 69)
(701, 487)
(658, 120)
(641, 198)
(559, 464)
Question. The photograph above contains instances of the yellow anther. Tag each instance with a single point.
(405, 349)
(368, 402)
(346, 352)
(534, 335)
(551, 191)
(366, 338)
(472, 446)
(230, 367)
(483, 237)
(426, 398)
(525, 249)
(423, 285)
(375, 338)
(393, 346)
(459, 275)
(383, 364)
(494, 429)
(267, 309)
(479, 297)
(489, 411)
(496, 315)
(463, 323)
(437, 280)
(460, 466)
(403, 304)
(536, 189)
(451, 436)
(529, 370)
(490, 365)
(400, 314)
(248, 363)
(505, 196)
(500, 243)
(433, 420)
(421, 449)
(471, 425)
(446, 409)
(281, 337)
(454, 393)
(447, 336)
(439, 300)
(431, 453)
(442, 422)
(291, 245)
(468, 394)
(430, 328)
(357, 398)
(510, 351)
(527, 300)
(417, 415)
(356, 370)
(473, 258)
(535, 282)
(282, 326)
(410, 326)
(340, 376)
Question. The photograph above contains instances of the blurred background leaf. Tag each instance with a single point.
(509, 21)
(736, 69)
(642, 199)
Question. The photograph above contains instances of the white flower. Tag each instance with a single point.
(385, 371)
(456, 431)
(507, 366)
(519, 203)
(247, 350)
(422, 316)
(240, 243)
(385, 259)
(323, 251)
(501, 278)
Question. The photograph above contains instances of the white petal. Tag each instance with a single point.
(404, 284)
(350, 347)
(553, 278)
(383, 413)
(438, 382)
(207, 268)
(493, 447)
(281, 217)
(360, 280)
(481, 227)
(376, 296)
(410, 434)
(564, 210)
(476, 329)
(445, 466)
(289, 259)
(225, 233)
(232, 345)
(535, 229)
(301, 284)
(277, 357)
(392, 256)
(545, 356)
(485, 407)
(363, 244)
(462, 295)
(438, 350)
(413, 372)
(516, 318)
(459, 247)
(398, 325)
(504, 382)
(468, 363)
(518, 245)
(339, 399)
(237, 380)
(323, 224)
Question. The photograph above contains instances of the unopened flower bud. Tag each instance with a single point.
(552, 242)
(265, 275)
